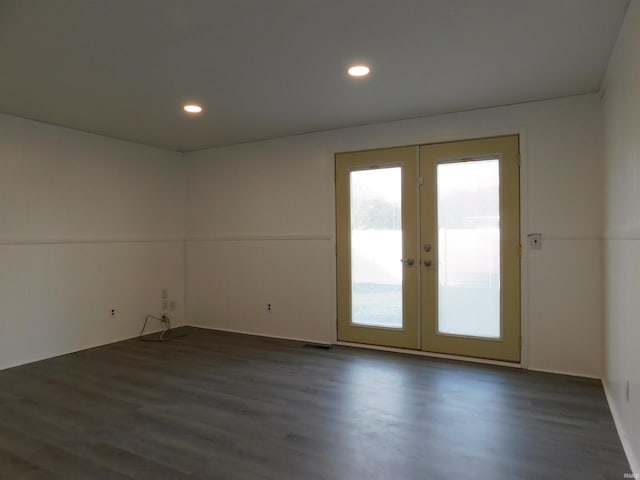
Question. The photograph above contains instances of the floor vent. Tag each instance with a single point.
(321, 346)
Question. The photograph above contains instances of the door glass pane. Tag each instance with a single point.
(376, 247)
(469, 248)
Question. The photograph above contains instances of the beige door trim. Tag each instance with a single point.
(406, 157)
(420, 294)
(506, 149)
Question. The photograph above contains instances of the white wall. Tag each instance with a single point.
(622, 232)
(260, 223)
(86, 224)
(89, 223)
(260, 227)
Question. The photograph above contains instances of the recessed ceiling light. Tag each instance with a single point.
(193, 108)
(358, 71)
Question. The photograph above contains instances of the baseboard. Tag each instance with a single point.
(365, 346)
(568, 373)
(265, 335)
(151, 331)
(398, 350)
(421, 353)
(626, 445)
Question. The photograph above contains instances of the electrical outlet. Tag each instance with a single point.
(113, 312)
(172, 305)
(269, 308)
(535, 241)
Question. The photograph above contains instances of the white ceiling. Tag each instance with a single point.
(270, 68)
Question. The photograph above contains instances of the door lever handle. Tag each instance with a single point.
(408, 261)
(427, 263)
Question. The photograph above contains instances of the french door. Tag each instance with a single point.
(428, 252)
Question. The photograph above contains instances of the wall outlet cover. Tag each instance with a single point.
(535, 241)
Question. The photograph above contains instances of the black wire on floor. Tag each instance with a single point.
(165, 336)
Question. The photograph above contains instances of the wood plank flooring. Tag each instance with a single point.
(217, 405)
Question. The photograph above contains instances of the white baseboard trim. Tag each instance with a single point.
(364, 346)
(626, 445)
(254, 334)
(420, 353)
(68, 351)
(399, 350)
(561, 372)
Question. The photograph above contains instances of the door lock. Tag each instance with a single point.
(427, 263)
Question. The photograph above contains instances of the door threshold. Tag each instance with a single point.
(420, 353)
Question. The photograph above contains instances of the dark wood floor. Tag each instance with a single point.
(218, 405)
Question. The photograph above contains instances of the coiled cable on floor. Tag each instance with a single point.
(165, 336)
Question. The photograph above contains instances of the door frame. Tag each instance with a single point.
(506, 149)
(407, 158)
(373, 143)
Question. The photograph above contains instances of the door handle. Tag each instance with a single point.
(427, 263)
(408, 261)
